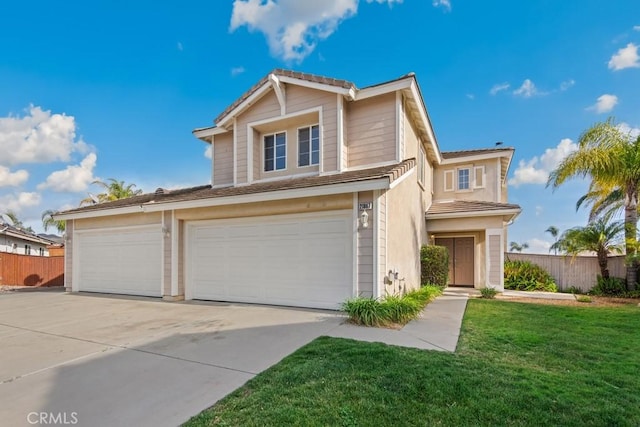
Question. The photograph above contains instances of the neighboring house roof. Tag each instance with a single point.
(18, 233)
(460, 208)
(389, 174)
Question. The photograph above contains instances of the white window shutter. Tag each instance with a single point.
(448, 180)
(478, 177)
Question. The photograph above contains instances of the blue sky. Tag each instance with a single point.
(109, 89)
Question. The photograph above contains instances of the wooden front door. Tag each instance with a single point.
(461, 259)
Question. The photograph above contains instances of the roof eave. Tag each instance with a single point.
(512, 213)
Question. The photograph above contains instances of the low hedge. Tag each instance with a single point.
(526, 276)
(390, 310)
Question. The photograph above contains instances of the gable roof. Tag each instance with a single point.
(465, 208)
(166, 199)
(19, 233)
(313, 78)
(408, 84)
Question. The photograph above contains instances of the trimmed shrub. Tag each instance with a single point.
(434, 261)
(613, 286)
(391, 309)
(526, 276)
(488, 293)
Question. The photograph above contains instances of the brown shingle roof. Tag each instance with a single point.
(480, 151)
(285, 73)
(465, 206)
(392, 172)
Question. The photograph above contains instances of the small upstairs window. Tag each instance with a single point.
(275, 152)
(308, 146)
(464, 179)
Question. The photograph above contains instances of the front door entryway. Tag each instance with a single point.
(460, 259)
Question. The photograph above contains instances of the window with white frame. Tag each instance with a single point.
(422, 162)
(308, 146)
(464, 179)
(275, 152)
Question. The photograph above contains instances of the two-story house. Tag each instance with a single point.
(320, 191)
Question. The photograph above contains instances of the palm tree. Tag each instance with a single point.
(611, 158)
(16, 221)
(114, 190)
(600, 236)
(48, 221)
(553, 230)
(517, 247)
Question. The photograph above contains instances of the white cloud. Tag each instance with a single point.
(293, 28)
(567, 84)
(12, 179)
(237, 70)
(208, 153)
(537, 246)
(471, 96)
(633, 132)
(498, 87)
(445, 4)
(626, 57)
(539, 210)
(604, 104)
(74, 178)
(636, 27)
(527, 90)
(13, 202)
(536, 170)
(180, 47)
(38, 137)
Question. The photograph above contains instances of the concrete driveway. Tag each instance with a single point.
(106, 360)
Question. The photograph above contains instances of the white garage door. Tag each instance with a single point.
(119, 261)
(300, 260)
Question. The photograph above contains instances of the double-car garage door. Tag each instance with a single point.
(298, 260)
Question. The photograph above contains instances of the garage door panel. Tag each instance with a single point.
(285, 260)
(124, 261)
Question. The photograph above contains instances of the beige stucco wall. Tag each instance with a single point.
(490, 191)
(371, 130)
(223, 159)
(406, 231)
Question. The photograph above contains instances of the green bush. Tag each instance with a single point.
(391, 309)
(613, 286)
(526, 276)
(434, 261)
(488, 293)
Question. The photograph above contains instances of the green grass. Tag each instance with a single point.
(516, 364)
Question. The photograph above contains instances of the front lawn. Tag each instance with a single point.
(516, 364)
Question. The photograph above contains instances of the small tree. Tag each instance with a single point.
(553, 230)
(598, 236)
(48, 221)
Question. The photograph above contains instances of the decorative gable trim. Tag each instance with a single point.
(279, 89)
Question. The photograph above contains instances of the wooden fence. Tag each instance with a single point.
(27, 270)
(580, 272)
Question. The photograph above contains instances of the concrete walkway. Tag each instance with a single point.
(438, 328)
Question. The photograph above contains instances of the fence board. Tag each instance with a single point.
(27, 270)
(580, 272)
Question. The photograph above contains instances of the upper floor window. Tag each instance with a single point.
(464, 179)
(275, 152)
(309, 146)
(422, 161)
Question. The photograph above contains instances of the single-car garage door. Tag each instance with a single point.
(300, 260)
(118, 260)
